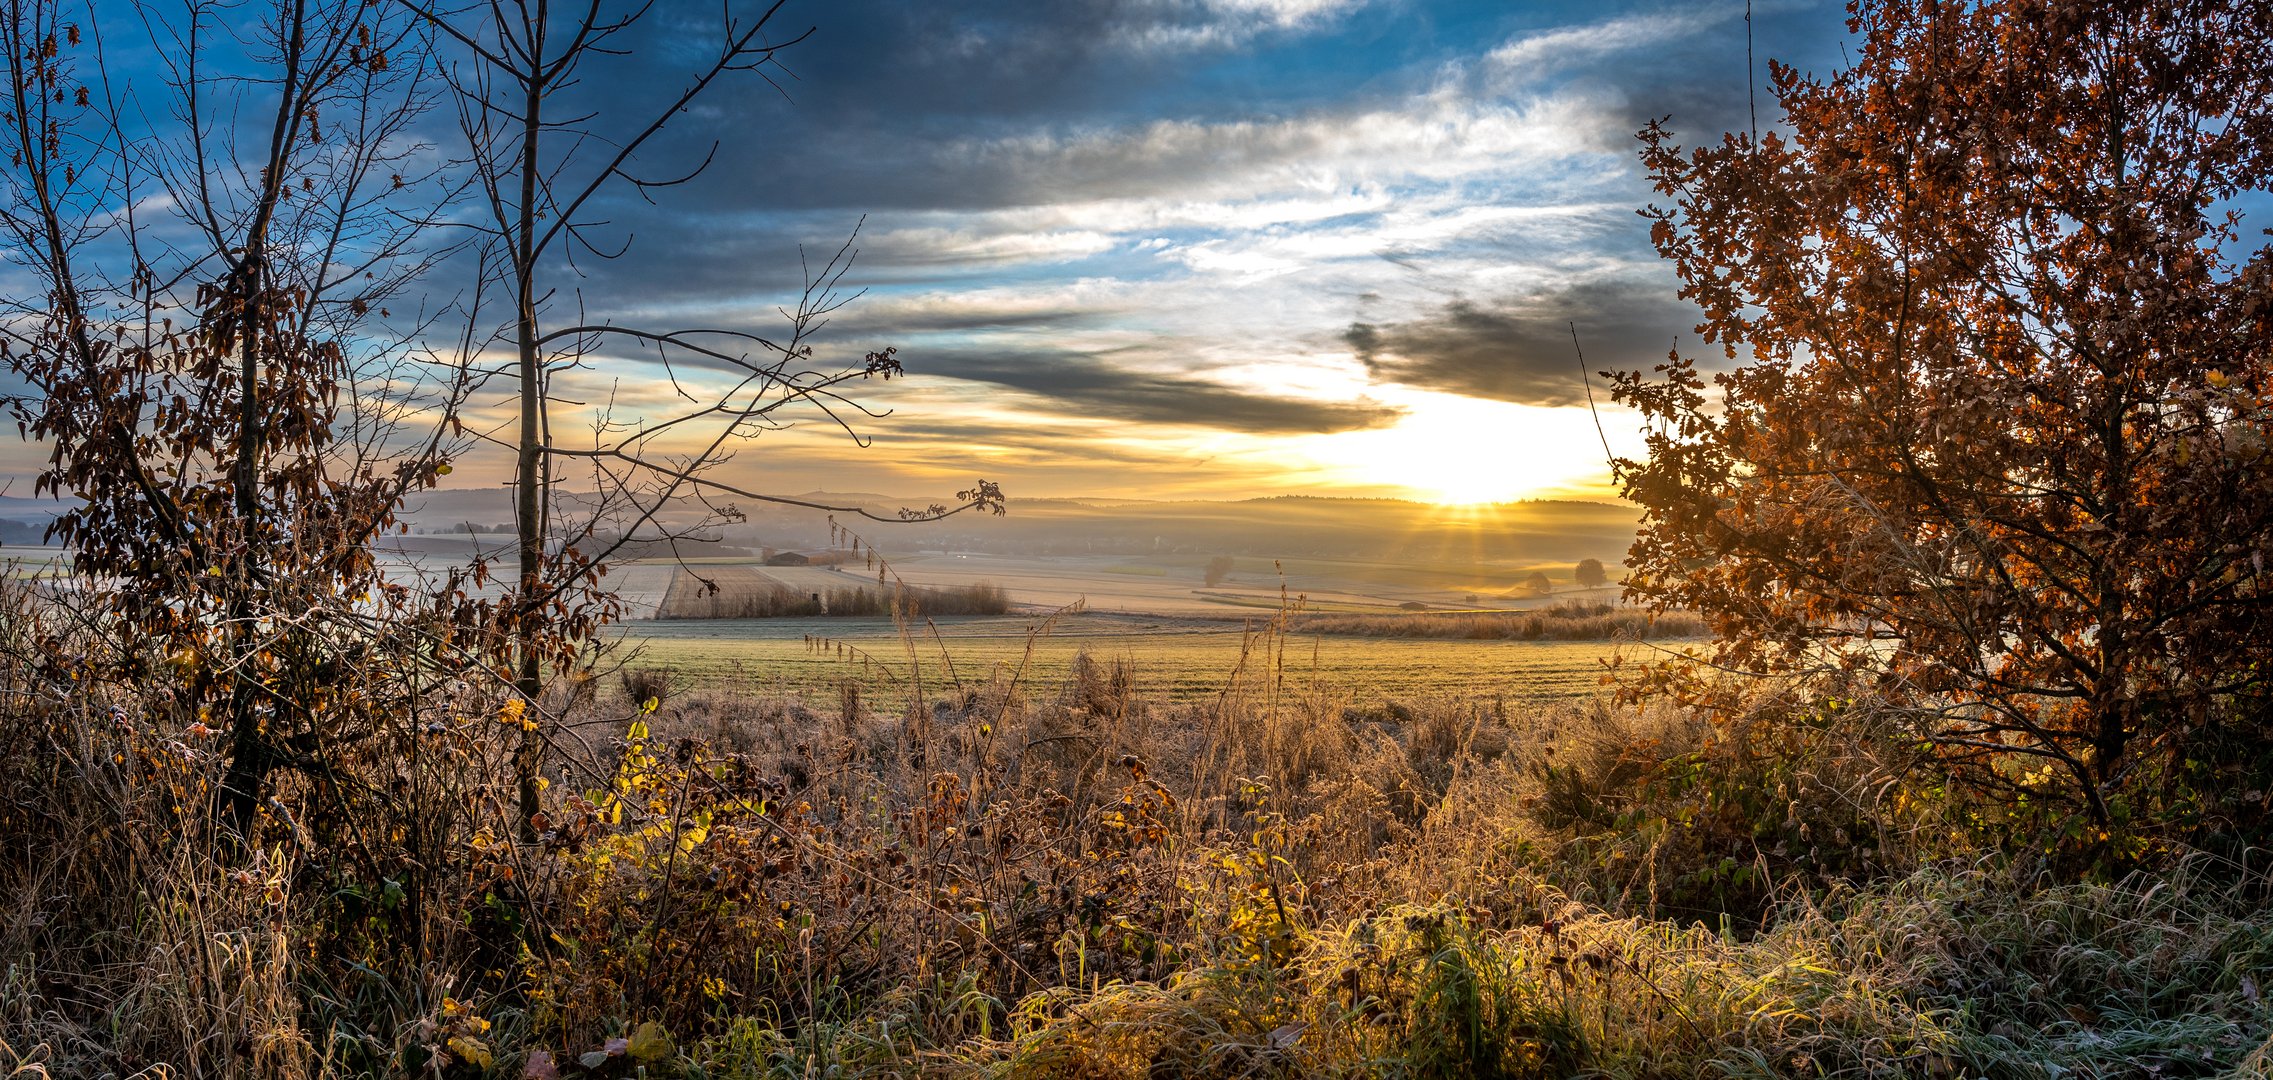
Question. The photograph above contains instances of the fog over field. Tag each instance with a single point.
(1333, 555)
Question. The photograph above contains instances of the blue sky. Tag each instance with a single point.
(1169, 248)
(1210, 247)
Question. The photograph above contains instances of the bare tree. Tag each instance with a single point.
(542, 167)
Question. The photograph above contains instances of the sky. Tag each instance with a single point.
(1214, 248)
(1176, 248)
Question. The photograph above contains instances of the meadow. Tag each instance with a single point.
(1173, 659)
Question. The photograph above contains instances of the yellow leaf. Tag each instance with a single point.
(469, 1050)
(649, 1042)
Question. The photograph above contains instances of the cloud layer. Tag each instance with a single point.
(1169, 246)
(1202, 224)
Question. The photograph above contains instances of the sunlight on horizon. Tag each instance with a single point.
(1459, 451)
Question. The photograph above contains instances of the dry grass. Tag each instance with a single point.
(1066, 878)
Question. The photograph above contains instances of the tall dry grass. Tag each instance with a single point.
(1014, 877)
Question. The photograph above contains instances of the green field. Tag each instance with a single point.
(1173, 659)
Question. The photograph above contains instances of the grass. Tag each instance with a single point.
(2149, 982)
(1175, 661)
(1136, 570)
(1059, 864)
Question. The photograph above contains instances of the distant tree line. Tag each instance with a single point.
(1561, 622)
(783, 602)
(23, 532)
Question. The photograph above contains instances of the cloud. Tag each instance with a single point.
(1092, 386)
(1439, 137)
(1185, 223)
(1186, 25)
(1520, 349)
(1535, 55)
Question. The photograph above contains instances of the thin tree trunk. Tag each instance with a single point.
(529, 478)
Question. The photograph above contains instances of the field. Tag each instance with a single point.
(1172, 585)
(1177, 659)
(1176, 584)
(1182, 638)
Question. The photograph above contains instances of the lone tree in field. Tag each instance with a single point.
(1999, 432)
(1590, 574)
(1218, 569)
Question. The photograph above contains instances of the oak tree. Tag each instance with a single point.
(1590, 574)
(1995, 435)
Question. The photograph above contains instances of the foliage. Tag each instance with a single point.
(1590, 574)
(1997, 429)
(197, 397)
(1003, 874)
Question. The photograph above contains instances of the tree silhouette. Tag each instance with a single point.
(1590, 574)
(1218, 568)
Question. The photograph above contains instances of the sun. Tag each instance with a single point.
(1461, 451)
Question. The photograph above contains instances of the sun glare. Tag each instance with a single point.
(1461, 451)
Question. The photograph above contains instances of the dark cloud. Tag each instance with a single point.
(1092, 386)
(933, 109)
(908, 105)
(1520, 349)
(898, 325)
(1035, 444)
